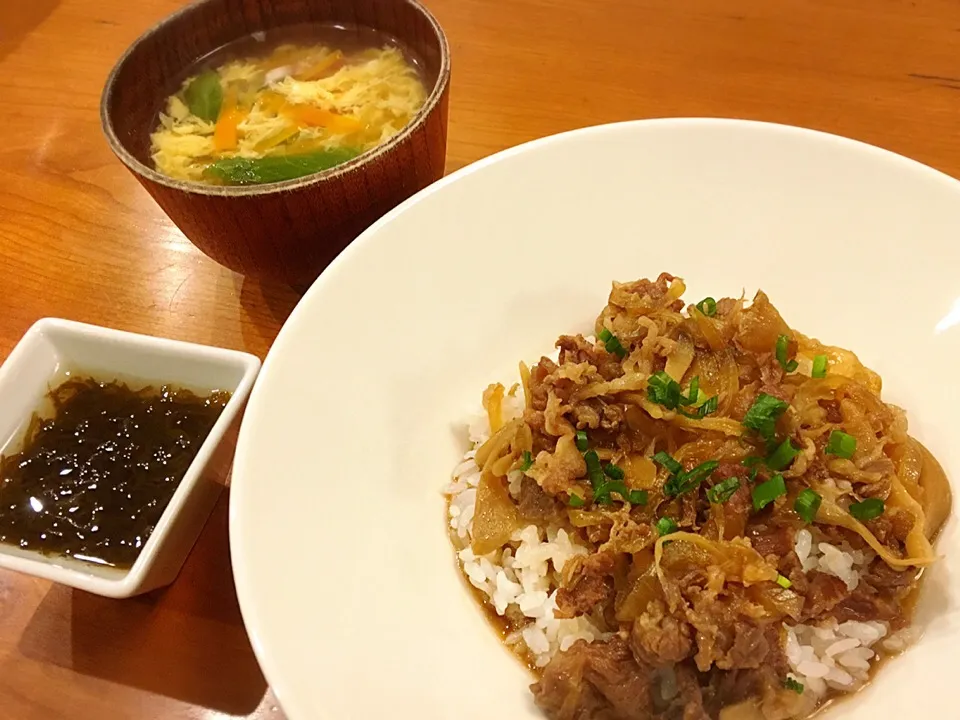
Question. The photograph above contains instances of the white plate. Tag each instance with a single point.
(345, 575)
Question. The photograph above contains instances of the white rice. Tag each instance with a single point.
(526, 574)
(833, 655)
(841, 562)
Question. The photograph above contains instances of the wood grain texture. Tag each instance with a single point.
(288, 231)
(79, 238)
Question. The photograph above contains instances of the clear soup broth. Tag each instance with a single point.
(283, 104)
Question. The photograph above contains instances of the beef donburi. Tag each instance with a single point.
(697, 512)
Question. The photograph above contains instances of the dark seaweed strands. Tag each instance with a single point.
(92, 481)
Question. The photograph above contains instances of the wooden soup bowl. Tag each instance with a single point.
(287, 230)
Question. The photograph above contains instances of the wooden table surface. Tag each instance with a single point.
(80, 239)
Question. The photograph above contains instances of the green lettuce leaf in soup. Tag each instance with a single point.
(204, 95)
(275, 168)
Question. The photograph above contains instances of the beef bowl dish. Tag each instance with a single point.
(697, 512)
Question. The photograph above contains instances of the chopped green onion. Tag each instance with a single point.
(784, 582)
(762, 415)
(575, 501)
(819, 366)
(708, 306)
(791, 684)
(696, 397)
(841, 445)
(782, 456)
(783, 347)
(807, 504)
(582, 442)
(601, 493)
(723, 490)
(664, 390)
(611, 343)
(766, 492)
(664, 459)
(686, 481)
(753, 462)
(681, 481)
(594, 471)
(710, 406)
(527, 462)
(616, 348)
(665, 526)
(867, 509)
(592, 460)
(613, 472)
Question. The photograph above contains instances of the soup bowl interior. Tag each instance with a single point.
(249, 228)
(156, 65)
(346, 575)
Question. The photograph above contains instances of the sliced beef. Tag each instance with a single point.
(535, 505)
(735, 512)
(595, 414)
(744, 398)
(727, 470)
(651, 293)
(726, 636)
(833, 411)
(759, 689)
(771, 375)
(753, 646)
(538, 387)
(689, 504)
(689, 695)
(878, 596)
(586, 414)
(587, 583)
(660, 639)
(881, 527)
(883, 577)
(612, 417)
(557, 472)
(629, 536)
(864, 604)
(555, 420)
(598, 534)
(536, 421)
(772, 539)
(823, 593)
(576, 349)
(792, 569)
(595, 680)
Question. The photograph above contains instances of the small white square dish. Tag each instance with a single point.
(53, 350)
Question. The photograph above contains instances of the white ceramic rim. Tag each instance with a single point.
(244, 581)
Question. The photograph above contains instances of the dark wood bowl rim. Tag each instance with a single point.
(127, 158)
